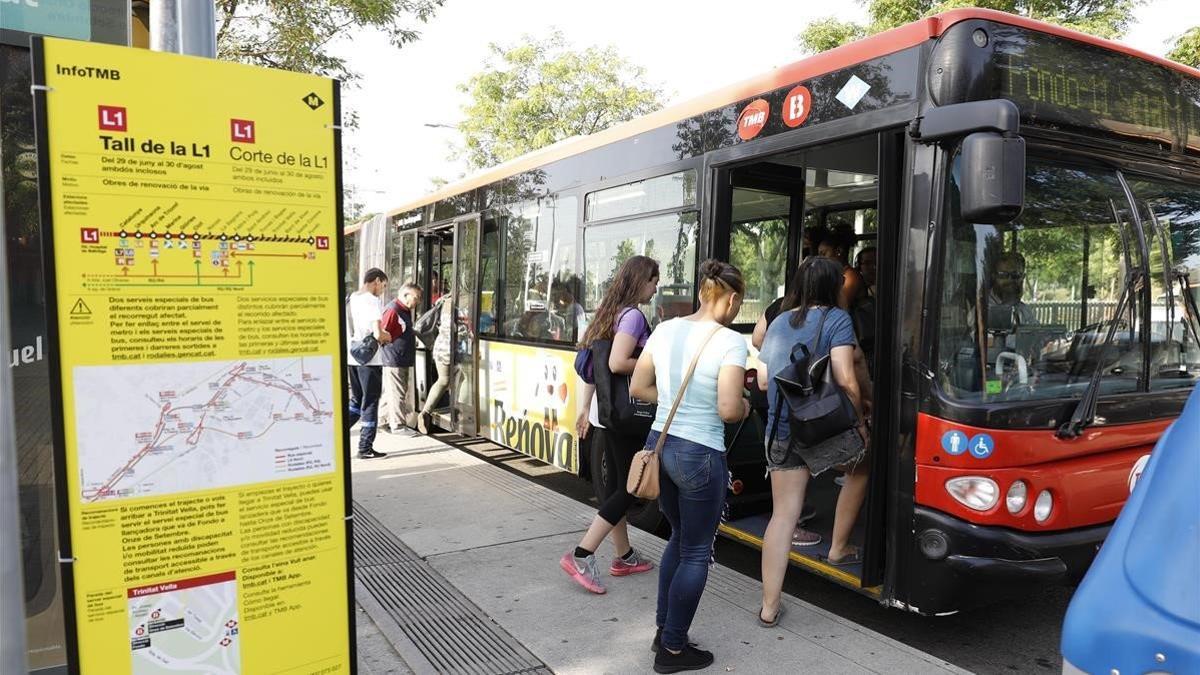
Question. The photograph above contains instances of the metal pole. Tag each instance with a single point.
(198, 28)
(184, 27)
(12, 589)
(164, 26)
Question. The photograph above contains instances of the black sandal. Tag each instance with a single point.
(773, 622)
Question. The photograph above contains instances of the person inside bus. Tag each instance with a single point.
(618, 319)
(821, 280)
(863, 310)
(563, 303)
(836, 245)
(1006, 281)
(695, 470)
(441, 359)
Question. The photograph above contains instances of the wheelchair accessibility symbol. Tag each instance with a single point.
(981, 446)
(954, 442)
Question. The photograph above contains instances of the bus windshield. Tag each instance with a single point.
(1026, 306)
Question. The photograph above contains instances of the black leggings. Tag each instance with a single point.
(618, 452)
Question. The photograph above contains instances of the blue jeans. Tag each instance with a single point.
(366, 386)
(692, 496)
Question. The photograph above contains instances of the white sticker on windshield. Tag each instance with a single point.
(853, 91)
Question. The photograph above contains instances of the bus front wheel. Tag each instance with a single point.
(643, 514)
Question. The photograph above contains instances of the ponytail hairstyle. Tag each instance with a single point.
(819, 283)
(624, 292)
(718, 279)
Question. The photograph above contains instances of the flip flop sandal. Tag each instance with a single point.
(773, 622)
(846, 560)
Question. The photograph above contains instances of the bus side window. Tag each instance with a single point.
(489, 278)
(670, 239)
(539, 257)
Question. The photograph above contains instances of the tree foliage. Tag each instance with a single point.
(825, 34)
(1104, 18)
(1187, 48)
(299, 35)
(536, 93)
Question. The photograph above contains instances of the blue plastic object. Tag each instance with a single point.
(1138, 608)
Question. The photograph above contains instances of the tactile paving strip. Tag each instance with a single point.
(450, 633)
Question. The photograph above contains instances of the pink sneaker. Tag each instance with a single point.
(583, 571)
(623, 568)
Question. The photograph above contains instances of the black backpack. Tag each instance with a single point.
(817, 408)
(619, 412)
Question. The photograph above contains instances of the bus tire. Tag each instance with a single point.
(643, 514)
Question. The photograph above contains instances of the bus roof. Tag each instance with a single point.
(884, 43)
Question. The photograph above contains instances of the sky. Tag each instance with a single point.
(687, 47)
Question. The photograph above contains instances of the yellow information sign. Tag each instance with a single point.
(191, 208)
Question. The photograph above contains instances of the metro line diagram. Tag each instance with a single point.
(228, 423)
(195, 259)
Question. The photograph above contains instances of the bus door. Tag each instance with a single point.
(769, 212)
(464, 345)
(434, 269)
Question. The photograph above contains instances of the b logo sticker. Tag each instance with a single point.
(796, 106)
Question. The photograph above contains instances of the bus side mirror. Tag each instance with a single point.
(992, 187)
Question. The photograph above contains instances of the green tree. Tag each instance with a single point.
(299, 35)
(825, 34)
(1104, 18)
(536, 93)
(1187, 48)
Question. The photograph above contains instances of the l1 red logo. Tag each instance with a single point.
(753, 119)
(112, 118)
(796, 106)
(241, 131)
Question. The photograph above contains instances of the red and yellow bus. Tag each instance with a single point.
(1032, 195)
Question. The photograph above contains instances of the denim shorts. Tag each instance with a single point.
(783, 455)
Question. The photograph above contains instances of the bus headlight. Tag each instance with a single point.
(974, 492)
(1015, 499)
(1043, 506)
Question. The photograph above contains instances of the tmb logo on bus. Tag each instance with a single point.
(796, 106)
(753, 119)
(112, 118)
(241, 131)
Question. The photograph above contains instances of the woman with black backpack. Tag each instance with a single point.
(623, 330)
(817, 328)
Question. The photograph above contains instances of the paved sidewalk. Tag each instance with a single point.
(457, 564)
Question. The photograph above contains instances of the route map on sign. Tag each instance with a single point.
(188, 626)
(191, 426)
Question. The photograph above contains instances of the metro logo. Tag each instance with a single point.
(241, 131)
(753, 119)
(796, 106)
(89, 235)
(112, 118)
(322, 243)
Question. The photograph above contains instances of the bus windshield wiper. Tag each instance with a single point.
(1085, 410)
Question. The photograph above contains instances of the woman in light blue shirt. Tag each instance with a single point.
(694, 468)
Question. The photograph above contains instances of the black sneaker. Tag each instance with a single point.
(371, 454)
(688, 659)
(658, 641)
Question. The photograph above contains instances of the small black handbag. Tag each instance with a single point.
(619, 412)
